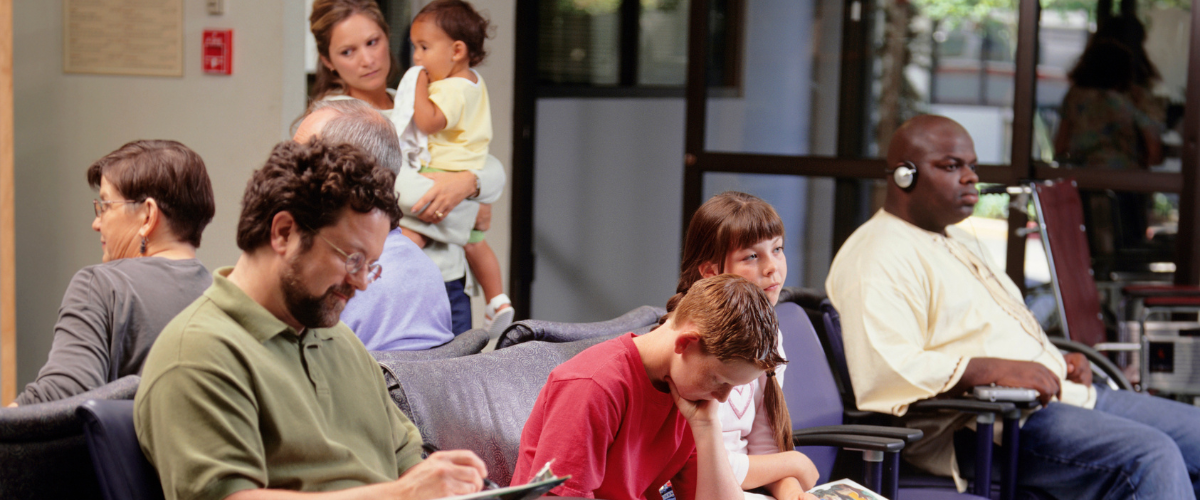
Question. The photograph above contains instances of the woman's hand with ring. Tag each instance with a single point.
(449, 189)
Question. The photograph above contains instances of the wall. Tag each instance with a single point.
(608, 200)
(497, 71)
(64, 122)
(771, 116)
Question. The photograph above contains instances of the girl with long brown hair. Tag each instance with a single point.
(741, 234)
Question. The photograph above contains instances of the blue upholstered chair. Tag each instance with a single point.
(42, 449)
(639, 321)
(121, 468)
(817, 408)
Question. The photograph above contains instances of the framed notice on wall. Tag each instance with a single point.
(123, 37)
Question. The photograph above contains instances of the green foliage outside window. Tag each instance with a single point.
(954, 11)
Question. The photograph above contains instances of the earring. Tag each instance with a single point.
(143, 245)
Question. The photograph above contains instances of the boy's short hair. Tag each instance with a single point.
(313, 182)
(734, 318)
(461, 23)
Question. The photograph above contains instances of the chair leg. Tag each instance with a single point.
(984, 423)
(873, 469)
(1010, 440)
(891, 475)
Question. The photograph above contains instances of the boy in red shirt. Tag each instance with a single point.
(627, 415)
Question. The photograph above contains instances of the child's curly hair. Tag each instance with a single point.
(313, 182)
(461, 23)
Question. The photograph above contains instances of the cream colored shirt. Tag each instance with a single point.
(913, 315)
(463, 144)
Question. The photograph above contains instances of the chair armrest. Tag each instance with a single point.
(856, 415)
(964, 405)
(1115, 374)
(851, 441)
(1161, 290)
(908, 435)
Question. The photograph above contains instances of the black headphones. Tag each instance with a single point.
(905, 175)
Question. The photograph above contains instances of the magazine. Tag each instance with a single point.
(844, 489)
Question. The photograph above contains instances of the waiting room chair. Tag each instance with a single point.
(464, 344)
(986, 414)
(480, 402)
(43, 453)
(639, 321)
(121, 467)
(816, 407)
(1104, 371)
(1064, 237)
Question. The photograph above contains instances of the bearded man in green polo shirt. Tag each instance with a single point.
(257, 387)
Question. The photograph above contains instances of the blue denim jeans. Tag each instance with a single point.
(1131, 446)
(460, 306)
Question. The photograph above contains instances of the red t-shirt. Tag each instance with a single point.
(601, 421)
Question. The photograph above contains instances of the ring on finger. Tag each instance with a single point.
(439, 214)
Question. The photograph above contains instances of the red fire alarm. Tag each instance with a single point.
(218, 52)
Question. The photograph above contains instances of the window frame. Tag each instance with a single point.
(629, 38)
(849, 166)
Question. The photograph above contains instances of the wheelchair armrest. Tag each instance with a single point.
(963, 405)
(903, 433)
(1097, 359)
(1161, 290)
(851, 441)
(856, 415)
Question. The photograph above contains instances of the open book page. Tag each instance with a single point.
(844, 489)
(543, 482)
(528, 491)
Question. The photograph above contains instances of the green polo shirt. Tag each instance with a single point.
(232, 398)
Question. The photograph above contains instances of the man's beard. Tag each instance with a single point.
(312, 311)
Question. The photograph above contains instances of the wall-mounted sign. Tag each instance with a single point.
(123, 37)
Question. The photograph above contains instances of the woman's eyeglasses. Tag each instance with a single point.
(103, 206)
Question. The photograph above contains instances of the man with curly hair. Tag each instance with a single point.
(257, 387)
(412, 278)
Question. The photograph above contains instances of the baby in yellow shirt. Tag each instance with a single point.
(451, 106)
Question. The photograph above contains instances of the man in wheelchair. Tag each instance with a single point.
(925, 314)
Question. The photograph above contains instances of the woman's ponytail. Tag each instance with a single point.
(776, 408)
(671, 305)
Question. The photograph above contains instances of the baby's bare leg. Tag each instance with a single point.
(483, 219)
(486, 267)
